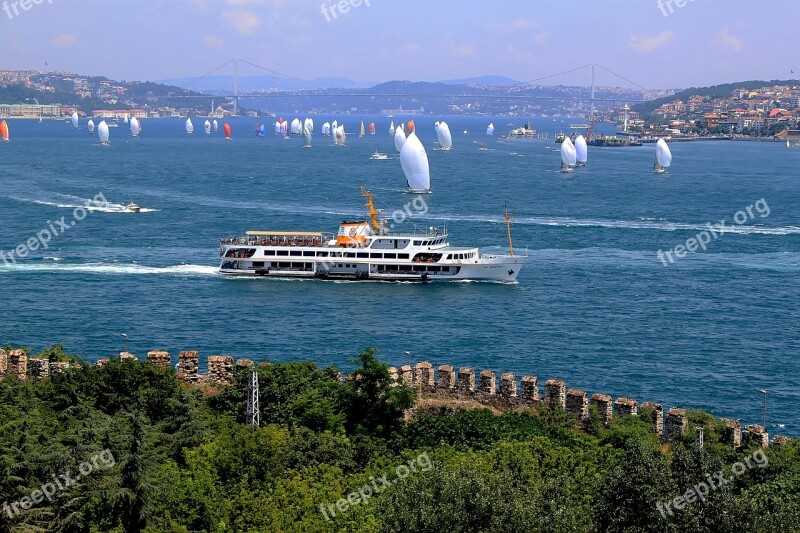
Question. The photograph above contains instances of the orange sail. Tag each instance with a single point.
(372, 128)
(4, 130)
(227, 129)
(410, 127)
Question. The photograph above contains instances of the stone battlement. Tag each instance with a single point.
(445, 382)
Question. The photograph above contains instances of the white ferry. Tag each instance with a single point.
(364, 251)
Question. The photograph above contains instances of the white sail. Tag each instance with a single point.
(189, 126)
(436, 125)
(74, 119)
(297, 128)
(326, 129)
(102, 132)
(399, 138)
(414, 161)
(340, 136)
(284, 128)
(334, 127)
(663, 154)
(135, 128)
(90, 125)
(445, 139)
(490, 129)
(308, 128)
(568, 155)
(207, 127)
(126, 119)
(391, 128)
(216, 125)
(581, 150)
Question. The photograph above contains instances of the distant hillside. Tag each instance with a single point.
(715, 91)
(483, 80)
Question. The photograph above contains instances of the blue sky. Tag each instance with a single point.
(701, 43)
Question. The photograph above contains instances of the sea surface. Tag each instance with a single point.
(594, 305)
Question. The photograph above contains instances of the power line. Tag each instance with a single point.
(278, 73)
(555, 75)
(622, 78)
(228, 62)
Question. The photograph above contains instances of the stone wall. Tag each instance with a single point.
(443, 382)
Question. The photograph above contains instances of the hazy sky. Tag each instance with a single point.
(701, 43)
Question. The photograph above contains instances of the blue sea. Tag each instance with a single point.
(594, 305)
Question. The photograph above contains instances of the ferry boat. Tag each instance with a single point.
(364, 250)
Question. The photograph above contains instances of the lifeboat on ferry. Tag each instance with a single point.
(352, 234)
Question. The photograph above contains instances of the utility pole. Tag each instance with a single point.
(591, 114)
(253, 413)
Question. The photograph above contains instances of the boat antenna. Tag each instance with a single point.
(373, 214)
(509, 217)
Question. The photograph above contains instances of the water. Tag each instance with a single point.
(594, 305)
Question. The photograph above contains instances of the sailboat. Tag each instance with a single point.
(363, 132)
(207, 127)
(74, 119)
(568, 156)
(4, 131)
(663, 157)
(227, 129)
(391, 128)
(326, 129)
(90, 126)
(372, 128)
(490, 129)
(216, 125)
(189, 126)
(126, 119)
(445, 139)
(581, 151)
(134, 125)
(399, 139)
(340, 136)
(102, 132)
(296, 128)
(414, 161)
(308, 127)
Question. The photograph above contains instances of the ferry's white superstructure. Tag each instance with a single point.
(362, 251)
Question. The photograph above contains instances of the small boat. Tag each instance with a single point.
(189, 126)
(126, 120)
(326, 129)
(391, 128)
(372, 128)
(568, 156)
(74, 119)
(227, 129)
(363, 132)
(465, 132)
(490, 129)
(443, 134)
(560, 137)
(133, 207)
(90, 126)
(340, 136)
(296, 127)
(308, 129)
(4, 131)
(216, 125)
(378, 156)
(663, 157)
(207, 127)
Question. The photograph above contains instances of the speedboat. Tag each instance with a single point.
(379, 156)
(133, 207)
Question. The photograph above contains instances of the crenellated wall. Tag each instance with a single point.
(442, 382)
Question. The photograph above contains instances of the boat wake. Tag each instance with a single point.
(644, 224)
(66, 201)
(54, 265)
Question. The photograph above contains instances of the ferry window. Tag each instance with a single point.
(417, 243)
(362, 255)
(322, 254)
(390, 256)
(274, 264)
(283, 252)
(284, 265)
(449, 256)
(405, 268)
(269, 252)
(258, 264)
(308, 254)
(349, 254)
(295, 252)
(402, 256)
(376, 256)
